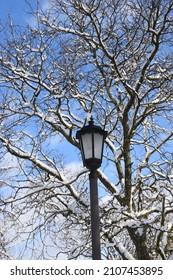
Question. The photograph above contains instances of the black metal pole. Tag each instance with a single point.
(95, 222)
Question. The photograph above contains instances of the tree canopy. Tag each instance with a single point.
(114, 60)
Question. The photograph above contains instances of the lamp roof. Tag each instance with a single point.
(91, 127)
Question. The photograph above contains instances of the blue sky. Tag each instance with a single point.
(17, 9)
(14, 8)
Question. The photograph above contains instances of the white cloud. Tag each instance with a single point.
(72, 168)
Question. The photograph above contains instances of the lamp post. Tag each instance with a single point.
(91, 139)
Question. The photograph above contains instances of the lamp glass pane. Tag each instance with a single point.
(87, 145)
(98, 143)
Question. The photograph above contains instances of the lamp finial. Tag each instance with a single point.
(91, 121)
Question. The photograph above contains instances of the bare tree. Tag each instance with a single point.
(5, 217)
(112, 59)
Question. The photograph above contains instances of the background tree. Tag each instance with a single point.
(112, 59)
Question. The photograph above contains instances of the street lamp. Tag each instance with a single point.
(91, 139)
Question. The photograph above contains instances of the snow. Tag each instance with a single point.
(140, 231)
(123, 251)
(104, 178)
(88, 116)
(27, 104)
